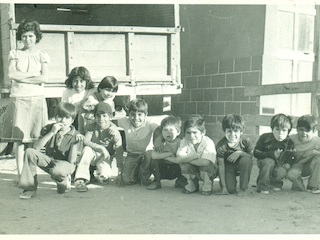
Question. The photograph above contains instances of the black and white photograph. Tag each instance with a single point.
(149, 120)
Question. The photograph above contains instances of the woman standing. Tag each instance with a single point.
(28, 70)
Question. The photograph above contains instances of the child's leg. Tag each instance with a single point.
(231, 176)
(32, 159)
(19, 153)
(266, 167)
(131, 168)
(294, 175)
(87, 156)
(245, 167)
(207, 174)
(104, 166)
(145, 168)
(314, 169)
(190, 172)
(278, 174)
(156, 165)
(61, 173)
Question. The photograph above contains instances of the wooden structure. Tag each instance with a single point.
(144, 59)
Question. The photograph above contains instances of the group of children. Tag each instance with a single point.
(84, 120)
(160, 151)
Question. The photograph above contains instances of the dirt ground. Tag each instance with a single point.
(134, 210)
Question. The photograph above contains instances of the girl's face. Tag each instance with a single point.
(170, 133)
(194, 135)
(107, 93)
(79, 84)
(279, 133)
(28, 39)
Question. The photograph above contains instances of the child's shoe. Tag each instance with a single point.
(27, 194)
(154, 186)
(313, 190)
(180, 182)
(277, 189)
(80, 185)
(266, 192)
(206, 193)
(63, 185)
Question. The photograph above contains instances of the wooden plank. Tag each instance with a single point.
(285, 88)
(99, 29)
(100, 42)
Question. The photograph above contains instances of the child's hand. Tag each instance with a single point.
(277, 153)
(234, 156)
(286, 166)
(80, 137)
(158, 145)
(57, 127)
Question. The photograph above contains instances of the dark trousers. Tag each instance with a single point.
(163, 169)
(242, 168)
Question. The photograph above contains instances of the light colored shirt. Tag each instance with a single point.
(27, 62)
(138, 140)
(305, 148)
(75, 98)
(206, 149)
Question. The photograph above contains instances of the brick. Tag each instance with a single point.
(232, 107)
(211, 68)
(190, 108)
(197, 69)
(249, 108)
(233, 79)
(226, 66)
(218, 81)
(210, 119)
(197, 95)
(242, 64)
(203, 108)
(217, 108)
(191, 82)
(204, 82)
(251, 79)
(178, 108)
(185, 95)
(256, 63)
(186, 70)
(238, 95)
(210, 94)
(225, 94)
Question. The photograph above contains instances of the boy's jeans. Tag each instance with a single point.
(269, 174)
(195, 173)
(91, 157)
(241, 167)
(310, 168)
(137, 166)
(58, 169)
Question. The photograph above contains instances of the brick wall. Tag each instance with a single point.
(217, 88)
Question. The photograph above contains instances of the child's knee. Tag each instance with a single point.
(293, 174)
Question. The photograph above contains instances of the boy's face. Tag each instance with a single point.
(137, 118)
(66, 121)
(102, 120)
(233, 135)
(304, 134)
(279, 133)
(194, 135)
(170, 133)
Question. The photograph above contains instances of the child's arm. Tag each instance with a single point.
(172, 159)
(31, 77)
(160, 155)
(73, 154)
(96, 147)
(259, 151)
(41, 142)
(235, 155)
(222, 176)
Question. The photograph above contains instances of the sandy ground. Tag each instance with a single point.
(134, 210)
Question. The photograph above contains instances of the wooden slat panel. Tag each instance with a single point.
(99, 42)
(285, 88)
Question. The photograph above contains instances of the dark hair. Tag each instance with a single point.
(138, 105)
(281, 120)
(81, 72)
(196, 121)
(233, 121)
(171, 120)
(26, 26)
(307, 121)
(109, 82)
(64, 109)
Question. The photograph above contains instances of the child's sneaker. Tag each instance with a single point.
(277, 189)
(80, 185)
(27, 194)
(313, 190)
(154, 186)
(265, 192)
